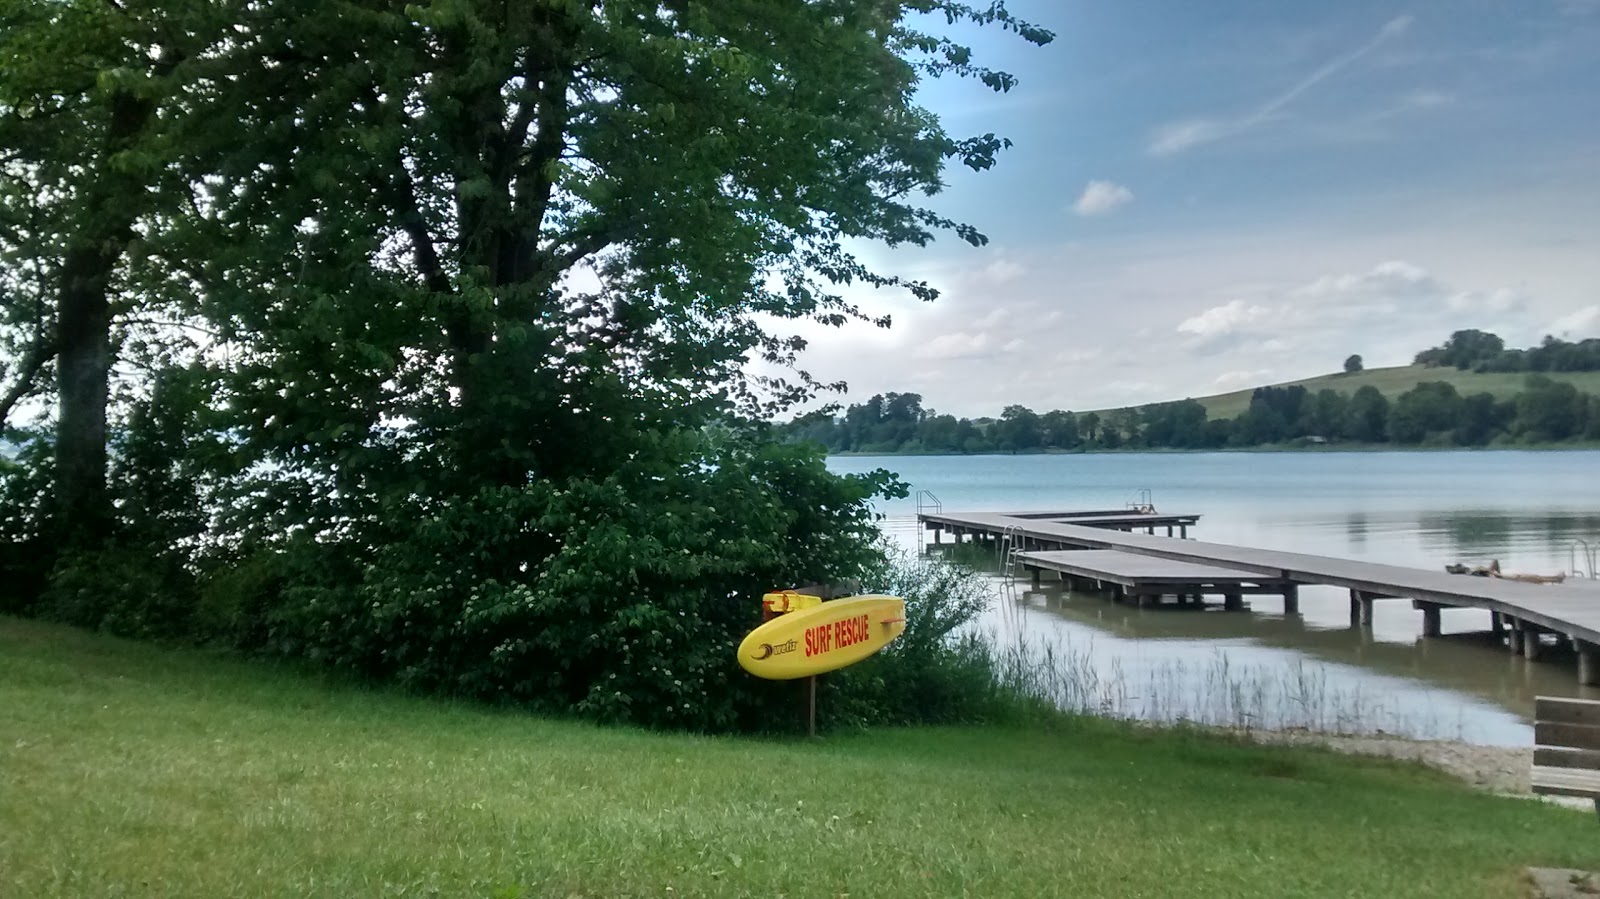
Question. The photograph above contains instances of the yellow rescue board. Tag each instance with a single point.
(823, 638)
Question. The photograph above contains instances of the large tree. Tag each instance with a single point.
(90, 110)
(481, 281)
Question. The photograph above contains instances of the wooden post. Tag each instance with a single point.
(1036, 584)
(1169, 530)
(1430, 619)
(936, 535)
(811, 706)
(1530, 641)
(1515, 643)
(1497, 626)
(1233, 602)
(1183, 531)
(1366, 609)
(1588, 663)
(1355, 607)
(1291, 599)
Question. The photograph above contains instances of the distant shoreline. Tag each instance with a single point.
(1577, 446)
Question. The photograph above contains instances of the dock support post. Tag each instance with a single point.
(1169, 530)
(1515, 643)
(1530, 641)
(1291, 599)
(1036, 583)
(1588, 663)
(1183, 531)
(937, 536)
(1430, 619)
(1355, 607)
(1233, 602)
(1497, 625)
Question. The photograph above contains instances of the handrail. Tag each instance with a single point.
(1591, 555)
(932, 502)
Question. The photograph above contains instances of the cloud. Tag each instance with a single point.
(1179, 136)
(1003, 270)
(1582, 323)
(947, 347)
(1219, 326)
(1101, 197)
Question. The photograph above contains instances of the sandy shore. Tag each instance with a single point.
(1499, 769)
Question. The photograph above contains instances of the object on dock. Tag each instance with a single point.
(1493, 570)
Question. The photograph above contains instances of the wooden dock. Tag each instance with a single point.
(1521, 613)
(1145, 579)
(1114, 519)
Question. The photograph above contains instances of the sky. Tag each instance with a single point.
(1209, 196)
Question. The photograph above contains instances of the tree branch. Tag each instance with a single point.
(42, 351)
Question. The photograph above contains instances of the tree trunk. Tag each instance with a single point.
(83, 336)
(83, 508)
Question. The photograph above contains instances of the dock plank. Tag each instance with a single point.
(1131, 569)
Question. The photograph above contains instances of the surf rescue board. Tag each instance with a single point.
(822, 638)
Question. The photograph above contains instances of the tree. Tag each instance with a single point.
(483, 279)
(1352, 364)
(1549, 410)
(1089, 427)
(1430, 408)
(90, 111)
(1060, 429)
(1020, 429)
(1368, 420)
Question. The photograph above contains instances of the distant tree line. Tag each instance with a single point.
(1481, 351)
(1433, 413)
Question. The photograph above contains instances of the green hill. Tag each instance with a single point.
(1395, 381)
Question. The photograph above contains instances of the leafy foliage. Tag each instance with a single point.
(415, 336)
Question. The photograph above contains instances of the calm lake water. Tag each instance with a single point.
(1424, 509)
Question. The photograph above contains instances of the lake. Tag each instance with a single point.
(1265, 668)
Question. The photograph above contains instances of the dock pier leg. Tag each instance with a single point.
(1588, 663)
(1169, 530)
(937, 536)
(1497, 626)
(1233, 602)
(1291, 599)
(1355, 607)
(1430, 619)
(1515, 643)
(1036, 583)
(1530, 641)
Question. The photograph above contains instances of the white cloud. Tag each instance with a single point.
(1580, 324)
(1101, 197)
(948, 347)
(1220, 325)
(1179, 136)
(1003, 270)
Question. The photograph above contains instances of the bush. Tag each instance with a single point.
(941, 671)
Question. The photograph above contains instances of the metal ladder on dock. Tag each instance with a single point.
(1589, 554)
(1141, 501)
(1009, 546)
(927, 502)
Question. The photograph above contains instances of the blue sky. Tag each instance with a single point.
(1205, 196)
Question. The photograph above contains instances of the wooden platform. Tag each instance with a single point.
(1528, 611)
(1147, 578)
(1118, 520)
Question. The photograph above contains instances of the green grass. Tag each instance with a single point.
(1395, 381)
(127, 770)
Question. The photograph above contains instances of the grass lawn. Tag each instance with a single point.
(127, 770)
(1394, 381)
